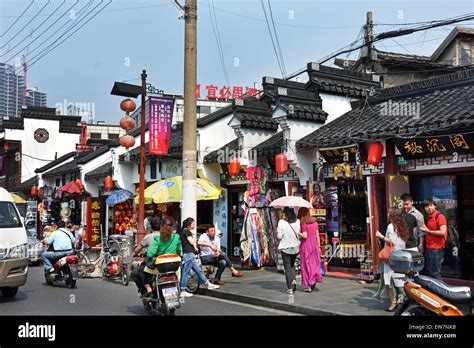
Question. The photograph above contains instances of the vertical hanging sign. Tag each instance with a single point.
(160, 121)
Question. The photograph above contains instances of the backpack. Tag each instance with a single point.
(452, 239)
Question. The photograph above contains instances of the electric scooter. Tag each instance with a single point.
(64, 271)
(427, 296)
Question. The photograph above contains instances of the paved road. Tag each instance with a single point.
(104, 297)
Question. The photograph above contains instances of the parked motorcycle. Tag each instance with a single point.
(65, 269)
(166, 289)
(426, 296)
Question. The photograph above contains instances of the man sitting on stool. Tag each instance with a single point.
(211, 254)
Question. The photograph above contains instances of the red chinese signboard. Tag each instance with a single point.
(95, 220)
(225, 92)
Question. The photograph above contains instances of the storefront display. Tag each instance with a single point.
(123, 218)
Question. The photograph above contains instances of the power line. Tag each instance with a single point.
(283, 24)
(58, 44)
(9, 50)
(59, 29)
(111, 10)
(215, 29)
(271, 37)
(41, 10)
(19, 17)
(276, 39)
(396, 33)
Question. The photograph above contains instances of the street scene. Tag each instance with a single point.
(237, 158)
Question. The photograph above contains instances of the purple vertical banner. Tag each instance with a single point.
(1, 164)
(160, 122)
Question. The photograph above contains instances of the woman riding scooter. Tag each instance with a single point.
(166, 243)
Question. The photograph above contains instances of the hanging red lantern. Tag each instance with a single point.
(127, 141)
(375, 153)
(108, 183)
(6, 147)
(34, 190)
(127, 123)
(79, 184)
(128, 105)
(281, 162)
(234, 167)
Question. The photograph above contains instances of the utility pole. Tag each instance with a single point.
(188, 205)
(141, 200)
(368, 37)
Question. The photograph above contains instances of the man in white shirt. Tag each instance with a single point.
(212, 254)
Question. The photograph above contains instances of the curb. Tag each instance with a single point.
(268, 303)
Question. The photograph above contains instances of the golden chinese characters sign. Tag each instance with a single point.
(95, 220)
(339, 155)
(435, 146)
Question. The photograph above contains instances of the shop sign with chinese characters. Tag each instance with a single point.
(339, 155)
(95, 220)
(436, 146)
(225, 92)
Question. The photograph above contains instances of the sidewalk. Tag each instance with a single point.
(266, 287)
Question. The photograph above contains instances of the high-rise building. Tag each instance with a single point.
(35, 97)
(11, 91)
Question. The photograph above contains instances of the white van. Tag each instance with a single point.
(13, 246)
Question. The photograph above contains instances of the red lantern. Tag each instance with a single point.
(34, 190)
(6, 147)
(375, 153)
(234, 167)
(127, 141)
(108, 183)
(127, 123)
(79, 184)
(128, 105)
(281, 164)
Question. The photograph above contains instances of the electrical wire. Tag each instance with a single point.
(18, 33)
(276, 39)
(58, 44)
(218, 41)
(19, 17)
(59, 29)
(9, 50)
(271, 37)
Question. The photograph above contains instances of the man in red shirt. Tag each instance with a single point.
(436, 231)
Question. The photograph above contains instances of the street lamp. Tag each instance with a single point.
(133, 91)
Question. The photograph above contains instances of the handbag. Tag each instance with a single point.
(384, 254)
(292, 250)
(150, 261)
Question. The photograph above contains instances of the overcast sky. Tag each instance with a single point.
(129, 36)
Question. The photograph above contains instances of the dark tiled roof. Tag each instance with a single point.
(56, 162)
(216, 115)
(297, 109)
(67, 124)
(270, 147)
(25, 185)
(175, 148)
(100, 172)
(66, 168)
(445, 104)
(250, 120)
(339, 81)
(214, 155)
(12, 123)
(85, 157)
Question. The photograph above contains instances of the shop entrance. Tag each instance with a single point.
(236, 221)
(466, 224)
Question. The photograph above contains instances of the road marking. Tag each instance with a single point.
(271, 310)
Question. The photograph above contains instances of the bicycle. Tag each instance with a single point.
(85, 267)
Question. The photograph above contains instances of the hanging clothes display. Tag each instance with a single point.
(258, 239)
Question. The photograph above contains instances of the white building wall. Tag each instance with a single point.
(58, 144)
(335, 105)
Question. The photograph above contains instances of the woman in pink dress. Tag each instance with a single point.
(310, 257)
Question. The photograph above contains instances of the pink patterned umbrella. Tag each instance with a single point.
(291, 201)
